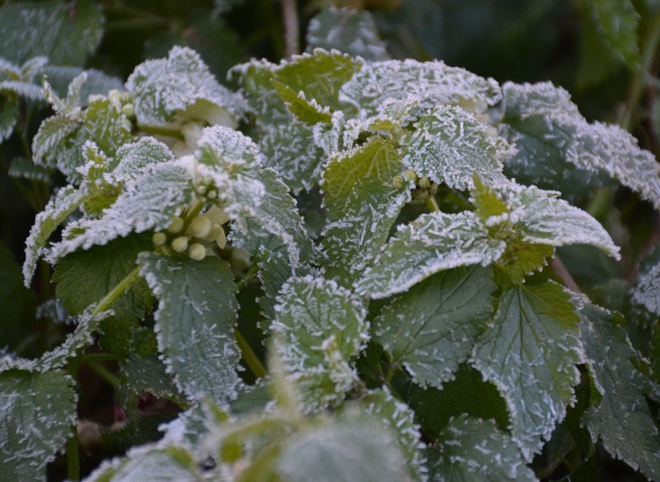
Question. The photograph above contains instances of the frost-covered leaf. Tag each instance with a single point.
(617, 21)
(195, 323)
(21, 168)
(305, 110)
(542, 218)
(38, 411)
(182, 84)
(529, 352)
(8, 115)
(450, 145)
(377, 158)
(85, 277)
(400, 420)
(146, 204)
(59, 207)
(620, 416)
(164, 464)
(350, 31)
(432, 328)
(96, 82)
(65, 33)
(320, 327)
(148, 374)
(474, 449)
(340, 451)
(431, 81)
(547, 128)
(134, 157)
(647, 291)
(355, 232)
(432, 243)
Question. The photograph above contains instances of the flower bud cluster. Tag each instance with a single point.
(123, 102)
(197, 238)
(206, 191)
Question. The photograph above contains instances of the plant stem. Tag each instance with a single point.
(117, 291)
(648, 48)
(251, 359)
(431, 203)
(103, 373)
(248, 276)
(291, 30)
(564, 275)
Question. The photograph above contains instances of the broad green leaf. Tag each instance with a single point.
(432, 328)
(356, 231)
(165, 464)
(474, 449)
(547, 128)
(320, 327)
(181, 84)
(65, 33)
(617, 21)
(134, 157)
(85, 277)
(647, 290)
(21, 168)
(529, 352)
(308, 111)
(450, 145)
(339, 452)
(350, 31)
(377, 158)
(434, 81)
(148, 374)
(620, 416)
(433, 242)
(195, 323)
(96, 82)
(38, 411)
(148, 203)
(400, 420)
(66, 201)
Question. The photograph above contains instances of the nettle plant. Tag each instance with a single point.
(388, 225)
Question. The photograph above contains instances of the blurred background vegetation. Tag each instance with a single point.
(604, 52)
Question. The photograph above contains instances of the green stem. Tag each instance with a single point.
(72, 450)
(117, 291)
(161, 131)
(648, 49)
(103, 373)
(251, 359)
(248, 276)
(431, 203)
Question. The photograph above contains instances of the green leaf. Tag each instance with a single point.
(432, 328)
(432, 243)
(529, 352)
(338, 451)
(350, 31)
(474, 449)
(65, 33)
(21, 168)
(450, 145)
(181, 84)
(85, 277)
(308, 111)
(356, 231)
(66, 201)
(146, 204)
(132, 158)
(148, 374)
(647, 290)
(547, 129)
(378, 82)
(96, 83)
(617, 22)
(320, 327)
(38, 411)
(8, 114)
(165, 464)
(622, 419)
(195, 323)
(377, 158)
(399, 419)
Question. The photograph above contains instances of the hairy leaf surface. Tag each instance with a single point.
(432, 328)
(529, 352)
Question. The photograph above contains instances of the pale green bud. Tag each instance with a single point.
(180, 244)
(216, 229)
(126, 124)
(128, 110)
(217, 215)
(411, 175)
(424, 183)
(200, 227)
(197, 252)
(397, 182)
(159, 239)
(221, 240)
(176, 225)
(212, 194)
